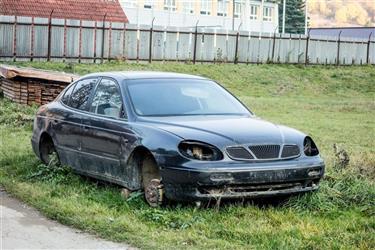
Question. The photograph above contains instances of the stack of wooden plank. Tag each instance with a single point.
(11, 89)
(31, 86)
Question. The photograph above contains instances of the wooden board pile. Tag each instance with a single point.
(31, 86)
(30, 91)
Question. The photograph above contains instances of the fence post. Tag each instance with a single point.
(124, 43)
(273, 46)
(237, 41)
(15, 39)
(64, 53)
(177, 44)
(138, 42)
(195, 42)
(32, 40)
(307, 48)
(248, 48)
(150, 45)
(110, 41)
(338, 50)
(368, 49)
(95, 31)
(236, 49)
(80, 42)
(49, 36)
(274, 43)
(103, 37)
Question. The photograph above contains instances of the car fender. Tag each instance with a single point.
(151, 138)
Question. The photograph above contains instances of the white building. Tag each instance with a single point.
(222, 14)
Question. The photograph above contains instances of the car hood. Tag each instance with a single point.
(237, 129)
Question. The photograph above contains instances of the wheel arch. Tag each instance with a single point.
(44, 139)
(135, 165)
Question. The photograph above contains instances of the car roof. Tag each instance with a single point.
(121, 75)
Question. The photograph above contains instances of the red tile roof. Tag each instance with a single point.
(93, 10)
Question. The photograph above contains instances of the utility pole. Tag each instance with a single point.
(284, 7)
(306, 13)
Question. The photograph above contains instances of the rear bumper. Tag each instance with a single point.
(249, 182)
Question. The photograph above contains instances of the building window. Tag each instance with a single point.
(254, 12)
(188, 6)
(170, 5)
(129, 3)
(222, 7)
(237, 8)
(267, 14)
(148, 4)
(206, 7)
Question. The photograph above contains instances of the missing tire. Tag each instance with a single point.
(151, 182)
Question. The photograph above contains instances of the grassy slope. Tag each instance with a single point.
(334, 105)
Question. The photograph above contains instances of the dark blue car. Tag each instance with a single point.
(175, 136)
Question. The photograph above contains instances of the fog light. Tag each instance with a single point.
(313, 172)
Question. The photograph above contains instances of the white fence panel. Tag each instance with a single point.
(29, 38)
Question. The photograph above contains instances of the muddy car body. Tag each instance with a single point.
(177, 136)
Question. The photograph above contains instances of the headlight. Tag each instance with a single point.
(199, 151)
(309, 147)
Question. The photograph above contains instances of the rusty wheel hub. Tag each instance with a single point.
(154, 193)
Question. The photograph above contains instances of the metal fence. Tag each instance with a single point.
(45, 39)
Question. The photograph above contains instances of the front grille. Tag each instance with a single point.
(290, 151)
(239, 153)
(265, 151)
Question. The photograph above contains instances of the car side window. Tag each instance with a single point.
(107, 99)
(66, 97)
(81, 93)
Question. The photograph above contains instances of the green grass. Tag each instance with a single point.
(333, 104)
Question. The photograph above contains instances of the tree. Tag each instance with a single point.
(294, 16)
(342, 12)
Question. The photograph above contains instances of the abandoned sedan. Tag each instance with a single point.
(175, 136)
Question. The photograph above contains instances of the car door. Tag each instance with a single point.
(66, 121)
(106, 135)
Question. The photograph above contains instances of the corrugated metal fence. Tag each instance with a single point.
(26, 38)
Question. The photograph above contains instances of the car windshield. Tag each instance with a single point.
(178, 97)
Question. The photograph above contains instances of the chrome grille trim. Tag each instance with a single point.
(246, 155)
(263, 152)
(290, 151)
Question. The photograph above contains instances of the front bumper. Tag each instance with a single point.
(245, 181)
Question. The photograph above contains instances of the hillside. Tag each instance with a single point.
(341, 13)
